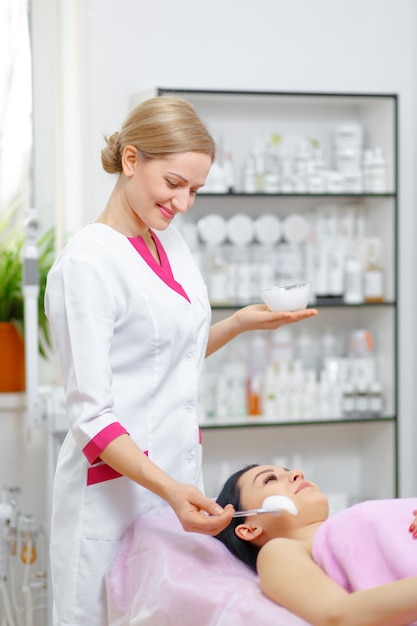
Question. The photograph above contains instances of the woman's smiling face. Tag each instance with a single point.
(158, 189)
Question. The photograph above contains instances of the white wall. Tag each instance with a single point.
(120, 48)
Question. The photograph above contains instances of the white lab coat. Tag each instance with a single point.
(131, 351)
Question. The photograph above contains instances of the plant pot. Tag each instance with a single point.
(12, 359)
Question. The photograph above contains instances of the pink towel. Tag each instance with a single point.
(368, 544)
(163, 576)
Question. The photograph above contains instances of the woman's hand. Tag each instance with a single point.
(198, 513)
(252, 317)
(413, 526)
(259, 317)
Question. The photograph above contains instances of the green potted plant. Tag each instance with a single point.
(12, 243)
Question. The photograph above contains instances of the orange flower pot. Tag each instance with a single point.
(12, 359)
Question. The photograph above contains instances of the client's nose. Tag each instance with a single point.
(296, 474)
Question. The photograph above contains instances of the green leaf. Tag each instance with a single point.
(12, 242)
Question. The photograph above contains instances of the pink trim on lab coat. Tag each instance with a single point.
(95, 447)
(164, 270)
(101, 473)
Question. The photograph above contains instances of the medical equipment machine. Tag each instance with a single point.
(24, 589)
(23, 581)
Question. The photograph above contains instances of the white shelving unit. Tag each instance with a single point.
(356, 457)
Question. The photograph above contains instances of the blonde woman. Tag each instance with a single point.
(131, 322)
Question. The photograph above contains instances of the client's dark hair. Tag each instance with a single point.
(246, 551)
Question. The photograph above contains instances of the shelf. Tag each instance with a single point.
(352, 99)
(338, 302)
(256, 421)
(248, 119)
(322, 302)
(241, 194)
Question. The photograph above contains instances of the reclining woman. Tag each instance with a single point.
(356, 567)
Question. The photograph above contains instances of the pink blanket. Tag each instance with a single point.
(163, 576)
(368, 544)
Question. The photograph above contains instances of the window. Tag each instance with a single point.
(15, 106)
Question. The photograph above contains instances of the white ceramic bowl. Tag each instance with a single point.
(292, 297)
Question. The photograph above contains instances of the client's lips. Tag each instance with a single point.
(303, 485)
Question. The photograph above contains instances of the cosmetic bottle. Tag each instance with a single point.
(290, 262)
(216, 179)
(272, 167)
(281, 345)
(373, 278)
(309, 265)
(259, 165)
(249, 175)
(367, 170)
(309, 396)
(256, 372)
(283, 407)
(348, 400)
(240, 234)
(376, 401)
(353, 287)
(361, 400)
(216, 275)
(315, 169)
(228, 165)
(348, 136)
(328, 345)
(323, 395)
(305, 351)
(379, 171)
(374, 171)
(318, 163)
(287, 175)
(243, 269)
(335, 270)
(235, 372)
(210, 383)
(267, 232)
(296, 390)
(263, 274)
(302, 158)
(269, 393)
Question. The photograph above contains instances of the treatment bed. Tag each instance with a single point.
(164, 576)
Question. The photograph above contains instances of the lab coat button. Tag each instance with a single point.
(187, 306)
(189, 356)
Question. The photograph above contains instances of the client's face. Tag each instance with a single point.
(269, 480)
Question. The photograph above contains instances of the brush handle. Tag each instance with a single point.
(250, 512)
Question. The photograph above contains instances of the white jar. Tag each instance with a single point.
(348, 160)
(349, 135)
